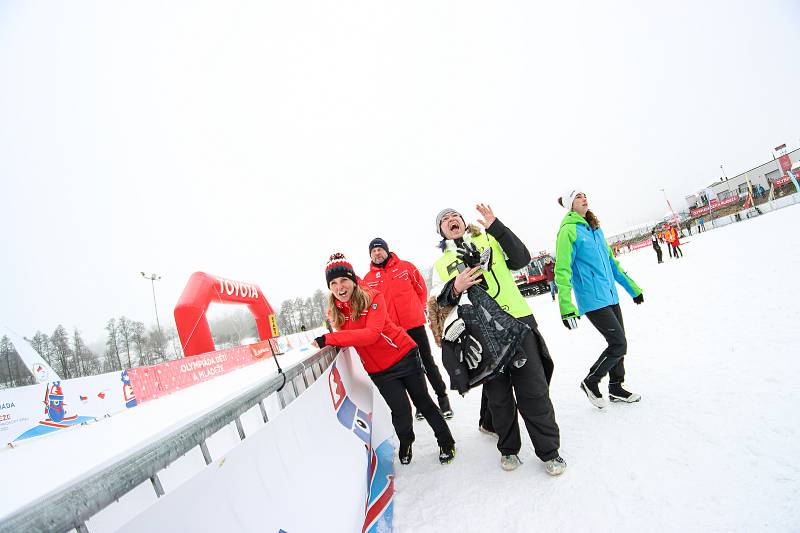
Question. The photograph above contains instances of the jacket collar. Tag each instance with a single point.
(450, 245)
(392, 261)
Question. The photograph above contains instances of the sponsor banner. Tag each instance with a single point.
(783, 180)
(333, 445)
(641, 244)
(785, 162)
(155, 381)
(715, 204)
(45, 408)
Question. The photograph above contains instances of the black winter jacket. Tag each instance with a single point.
(479, 338)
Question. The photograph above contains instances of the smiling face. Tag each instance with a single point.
(580, 204)
(378, 255)
(342, 288)
(452, 226)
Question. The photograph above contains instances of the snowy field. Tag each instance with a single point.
(712, 446)
(40, 465)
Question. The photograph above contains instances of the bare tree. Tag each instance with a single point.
(112, 347)
(139, 338)
(124, 331)
(59, 342)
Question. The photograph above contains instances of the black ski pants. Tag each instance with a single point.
(658, 253)
(676, 250)
(419, 336)
(405, 380)
(608, 321)
(669, 249)
(524, 389)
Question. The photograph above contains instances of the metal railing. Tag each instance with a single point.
(72, 505)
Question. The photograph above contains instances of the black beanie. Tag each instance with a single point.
(377, 242)
(339, 267)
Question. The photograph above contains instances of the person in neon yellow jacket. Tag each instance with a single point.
(473, 257)
(586, 266)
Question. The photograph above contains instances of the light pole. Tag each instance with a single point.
(674, 216)
(153, 278)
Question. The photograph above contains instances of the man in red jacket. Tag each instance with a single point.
(406, 297)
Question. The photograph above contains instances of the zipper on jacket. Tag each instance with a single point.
(393, 345)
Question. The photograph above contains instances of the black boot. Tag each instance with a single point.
(405, 453)
(447, 454)
(444, 407)
(617, 394)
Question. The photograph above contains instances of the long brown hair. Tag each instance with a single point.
(594, 223)
(359, 301)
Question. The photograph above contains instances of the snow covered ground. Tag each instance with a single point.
(712, 446)
(38, 466)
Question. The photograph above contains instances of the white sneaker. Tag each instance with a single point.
(555, 467)
(509, 462)
(595, 396)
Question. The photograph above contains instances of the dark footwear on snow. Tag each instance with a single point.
(447, 454)
(617, 394)
(405, 454)
(444, 407)
(593, 393)
(555, 467)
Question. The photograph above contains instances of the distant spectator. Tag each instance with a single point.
(550, 276)
(657, 247)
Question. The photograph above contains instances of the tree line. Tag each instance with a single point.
(130, 344)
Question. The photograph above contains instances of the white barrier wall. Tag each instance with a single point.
(325, 463)
(37, 410)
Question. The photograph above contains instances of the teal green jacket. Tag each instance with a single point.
(586, 266)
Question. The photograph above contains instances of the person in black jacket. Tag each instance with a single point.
(472, 257)
(656, 246)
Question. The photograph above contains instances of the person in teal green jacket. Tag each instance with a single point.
(586, 266)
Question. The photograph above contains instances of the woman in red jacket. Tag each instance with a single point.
(388, 354)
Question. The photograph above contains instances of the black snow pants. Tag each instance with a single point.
(608, 321)
(419, 336)
(658, 252)
(406, 379)
(524, 389)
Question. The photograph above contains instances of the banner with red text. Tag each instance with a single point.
(715, 204)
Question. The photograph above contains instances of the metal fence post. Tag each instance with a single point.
(157, 485)
(206, 454)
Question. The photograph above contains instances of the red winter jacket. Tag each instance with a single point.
(379, 342)
(402, 286)
(550, 271)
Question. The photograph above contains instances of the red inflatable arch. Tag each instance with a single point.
(203, 289)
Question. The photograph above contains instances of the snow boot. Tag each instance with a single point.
(509, 462)
(444, 407)
(617, 394)
(447, 454)
(419, 415)
(405, 454)
(593, 393)
(555, 467)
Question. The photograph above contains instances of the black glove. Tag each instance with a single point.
(320, 341)
(469, 254)
(570, 321)
(639, 299)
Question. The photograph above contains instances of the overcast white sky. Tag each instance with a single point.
(253, 139)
